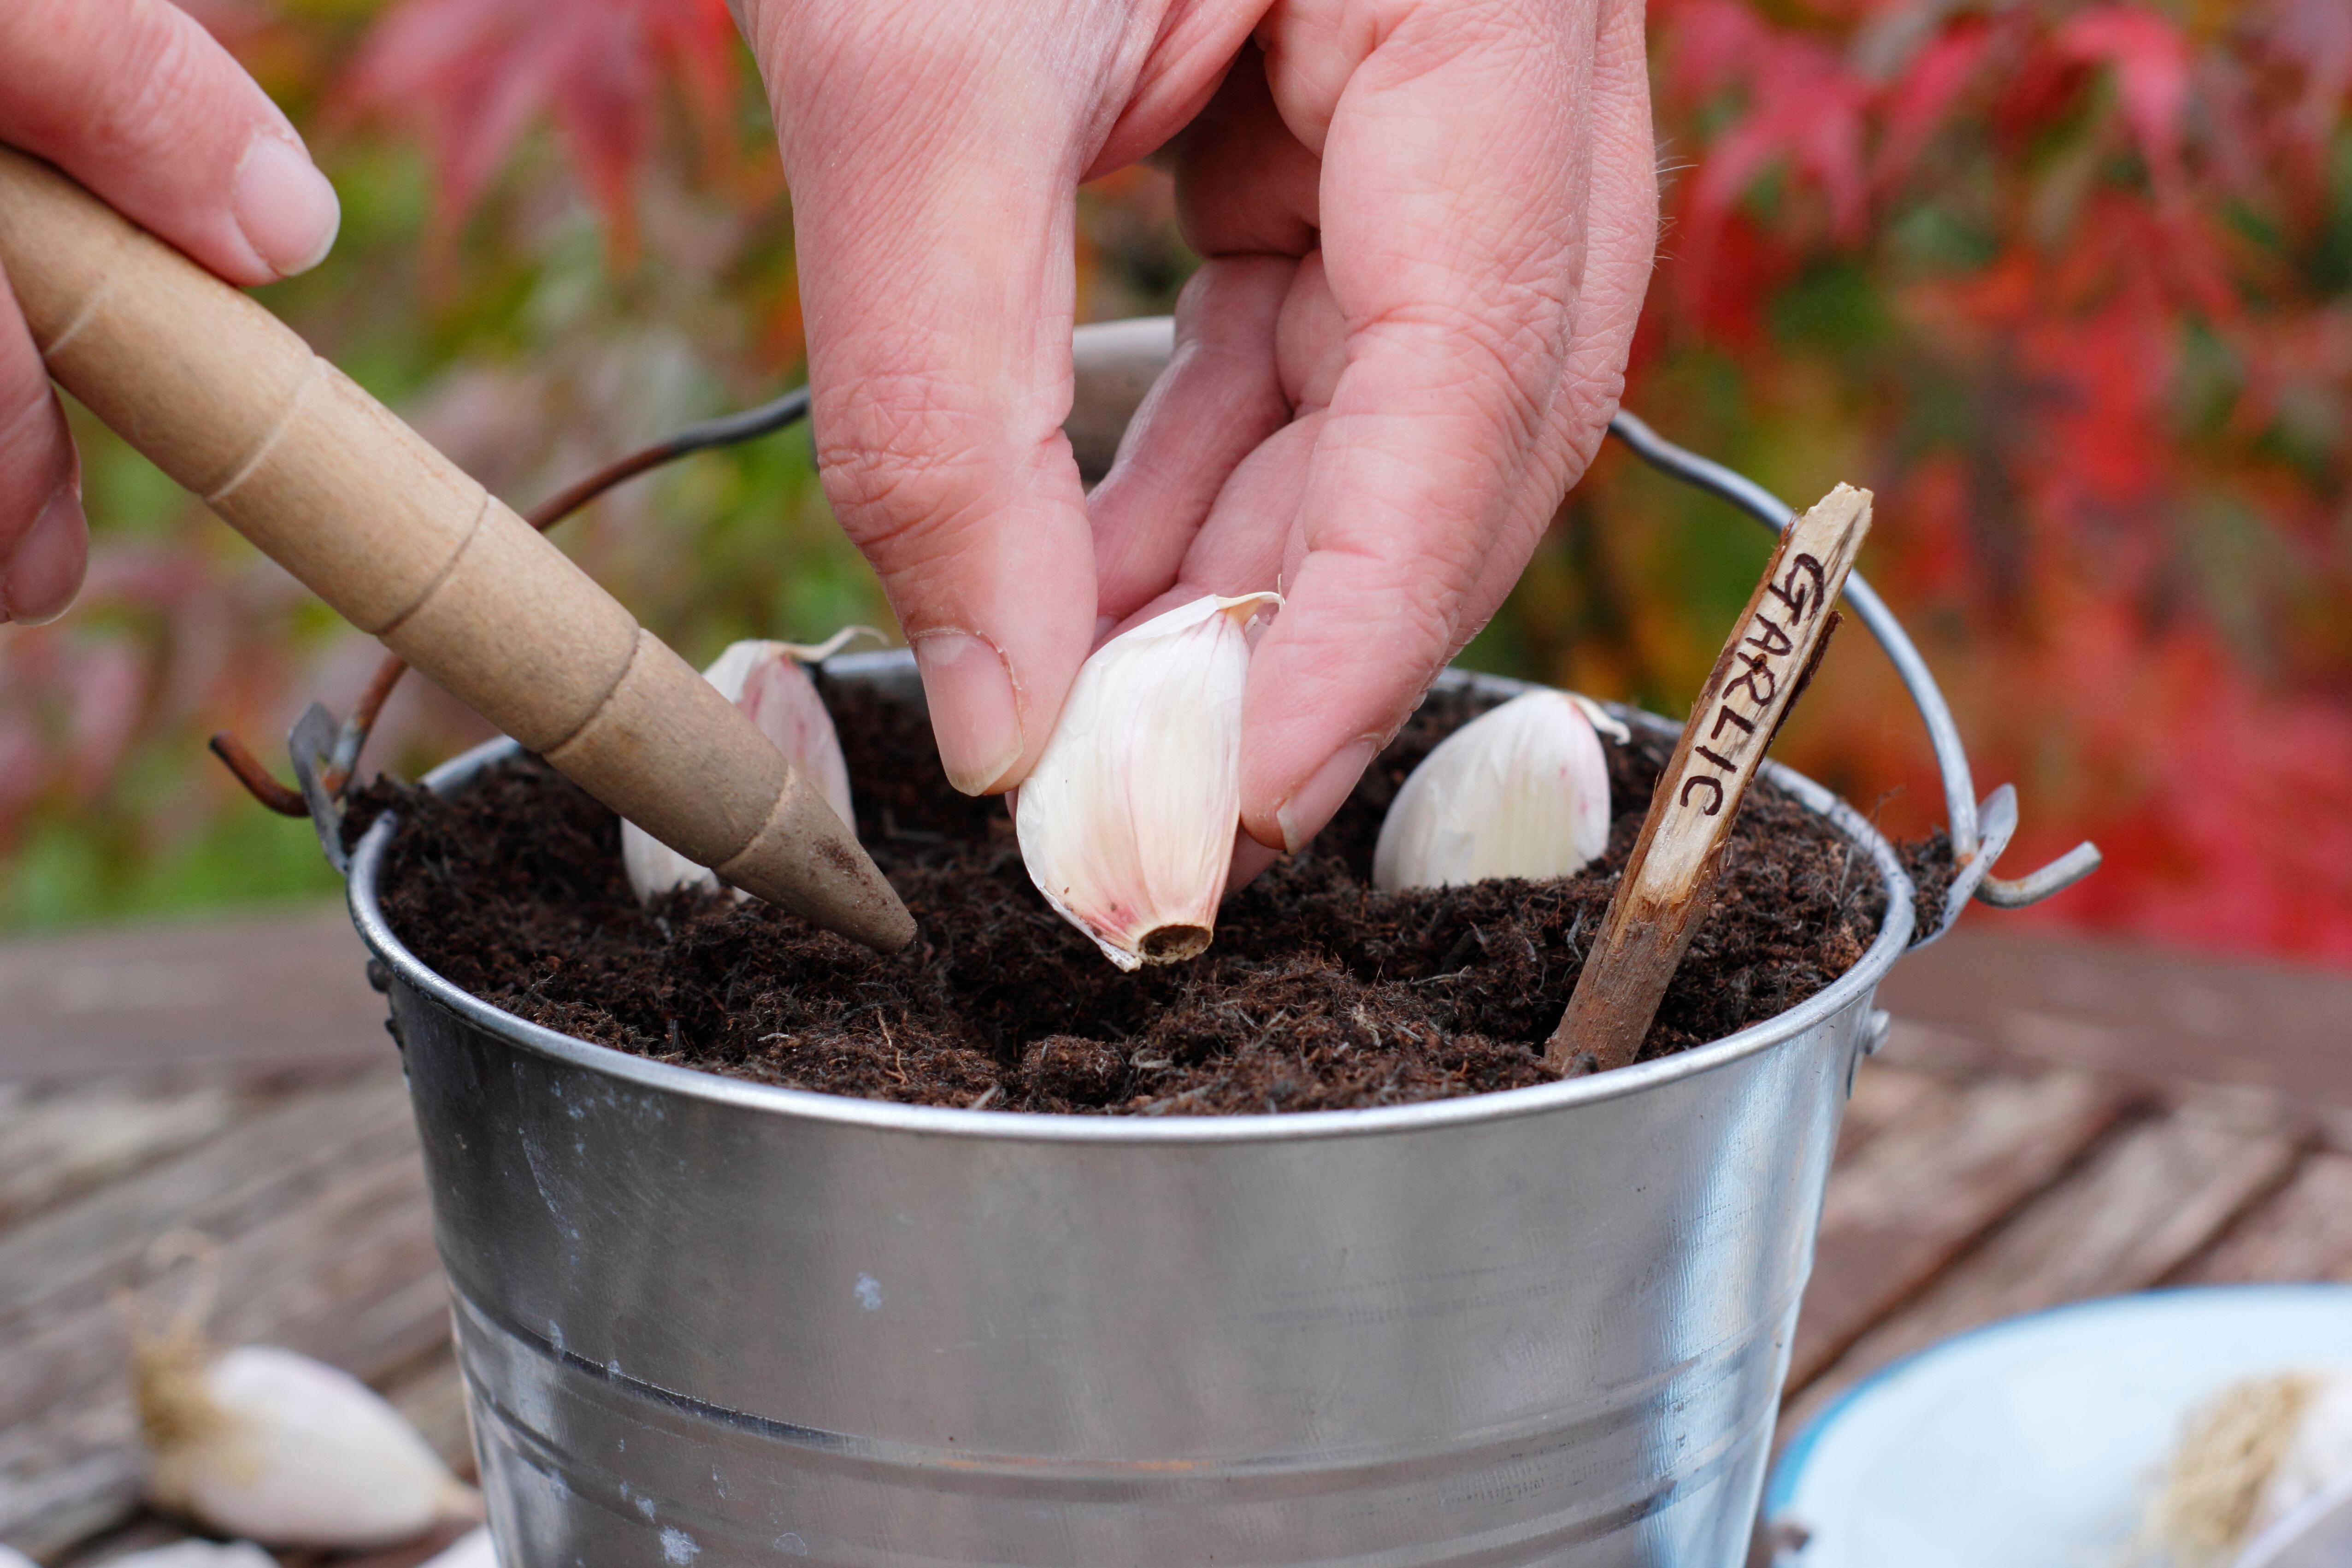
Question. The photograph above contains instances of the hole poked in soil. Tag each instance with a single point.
(1319, 992)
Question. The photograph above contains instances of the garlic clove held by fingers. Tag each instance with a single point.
(266, 1444)
(766, 681)
(1522, 790)
(1127, 824)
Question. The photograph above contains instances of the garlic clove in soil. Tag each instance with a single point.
(1126, 823)
(263, 1443)
(766, 681)
(1522, 790)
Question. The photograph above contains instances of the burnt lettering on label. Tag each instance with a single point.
(1803, 604)
(1714, 805)
(1775, 641)
(1758, 669)
(1724, 714)
(1726, 763)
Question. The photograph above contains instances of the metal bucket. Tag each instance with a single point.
(714, 1323)
(710, 1322)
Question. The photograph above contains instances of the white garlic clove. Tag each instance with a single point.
(766, 681)
(189, 1553)
(263, 1443)
(1127, 824)
(474, 1548)
(1522, 790)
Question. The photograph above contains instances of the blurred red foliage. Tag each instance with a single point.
(472, 76)
(2069, 285)
(2101, 379)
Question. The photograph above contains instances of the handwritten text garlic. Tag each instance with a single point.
(263, 1443)
(1127, 824)
(1522, 790)
(766, 681)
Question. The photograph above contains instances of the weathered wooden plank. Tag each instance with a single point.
(1947, 1168)
(2303, 1232)
(267, 990)
(1882, 1095)
(319, 1209)
(56, 1145)
(2144, 1203)
(2097, 1003)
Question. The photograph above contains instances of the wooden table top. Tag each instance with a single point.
(2055, 1117)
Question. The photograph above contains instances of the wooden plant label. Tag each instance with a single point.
(1669, 881)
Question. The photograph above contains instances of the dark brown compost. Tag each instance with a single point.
(1318, 993)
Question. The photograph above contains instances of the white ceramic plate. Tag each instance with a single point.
(2028, 1444)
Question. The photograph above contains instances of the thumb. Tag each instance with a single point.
(933, 176)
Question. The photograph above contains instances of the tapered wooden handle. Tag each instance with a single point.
(229, 401)
(1668, 882)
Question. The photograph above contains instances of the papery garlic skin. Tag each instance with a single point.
(1126, 823)
(1522, 790)
(263, 1443)
(766, 681)
(2317, 1458)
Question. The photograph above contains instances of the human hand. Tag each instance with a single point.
(1428, 226)
(137, 101)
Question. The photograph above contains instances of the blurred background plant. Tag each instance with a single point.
(2069, 285)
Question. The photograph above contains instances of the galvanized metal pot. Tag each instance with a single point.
(710, 1322)
(713, 1322)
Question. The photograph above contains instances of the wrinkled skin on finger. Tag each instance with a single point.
(1428, 226)
(137, 101)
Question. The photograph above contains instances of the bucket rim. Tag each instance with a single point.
(1854, 987)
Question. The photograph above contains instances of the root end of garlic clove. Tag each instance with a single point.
(1173, 943)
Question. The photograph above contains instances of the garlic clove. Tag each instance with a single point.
(1126, 823)
(1522, 790)
(264, 1443)
(766, 681)
(192, 1552)
(474, 1548)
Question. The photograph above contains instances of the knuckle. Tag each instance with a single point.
(905, 457)
(150, 83)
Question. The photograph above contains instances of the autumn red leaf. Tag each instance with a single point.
(472, 76)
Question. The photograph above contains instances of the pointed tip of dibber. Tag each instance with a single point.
(808, 862)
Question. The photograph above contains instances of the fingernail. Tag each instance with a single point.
(47, 570)
(1302, 817)
(286, 207)
(973, 711)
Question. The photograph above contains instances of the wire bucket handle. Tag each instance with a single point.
(1979, 830)
(1117, 362)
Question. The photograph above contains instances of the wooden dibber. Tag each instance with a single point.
(230, 403)
(1669, 880)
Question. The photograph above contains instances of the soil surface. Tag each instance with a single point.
(1318, 993)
